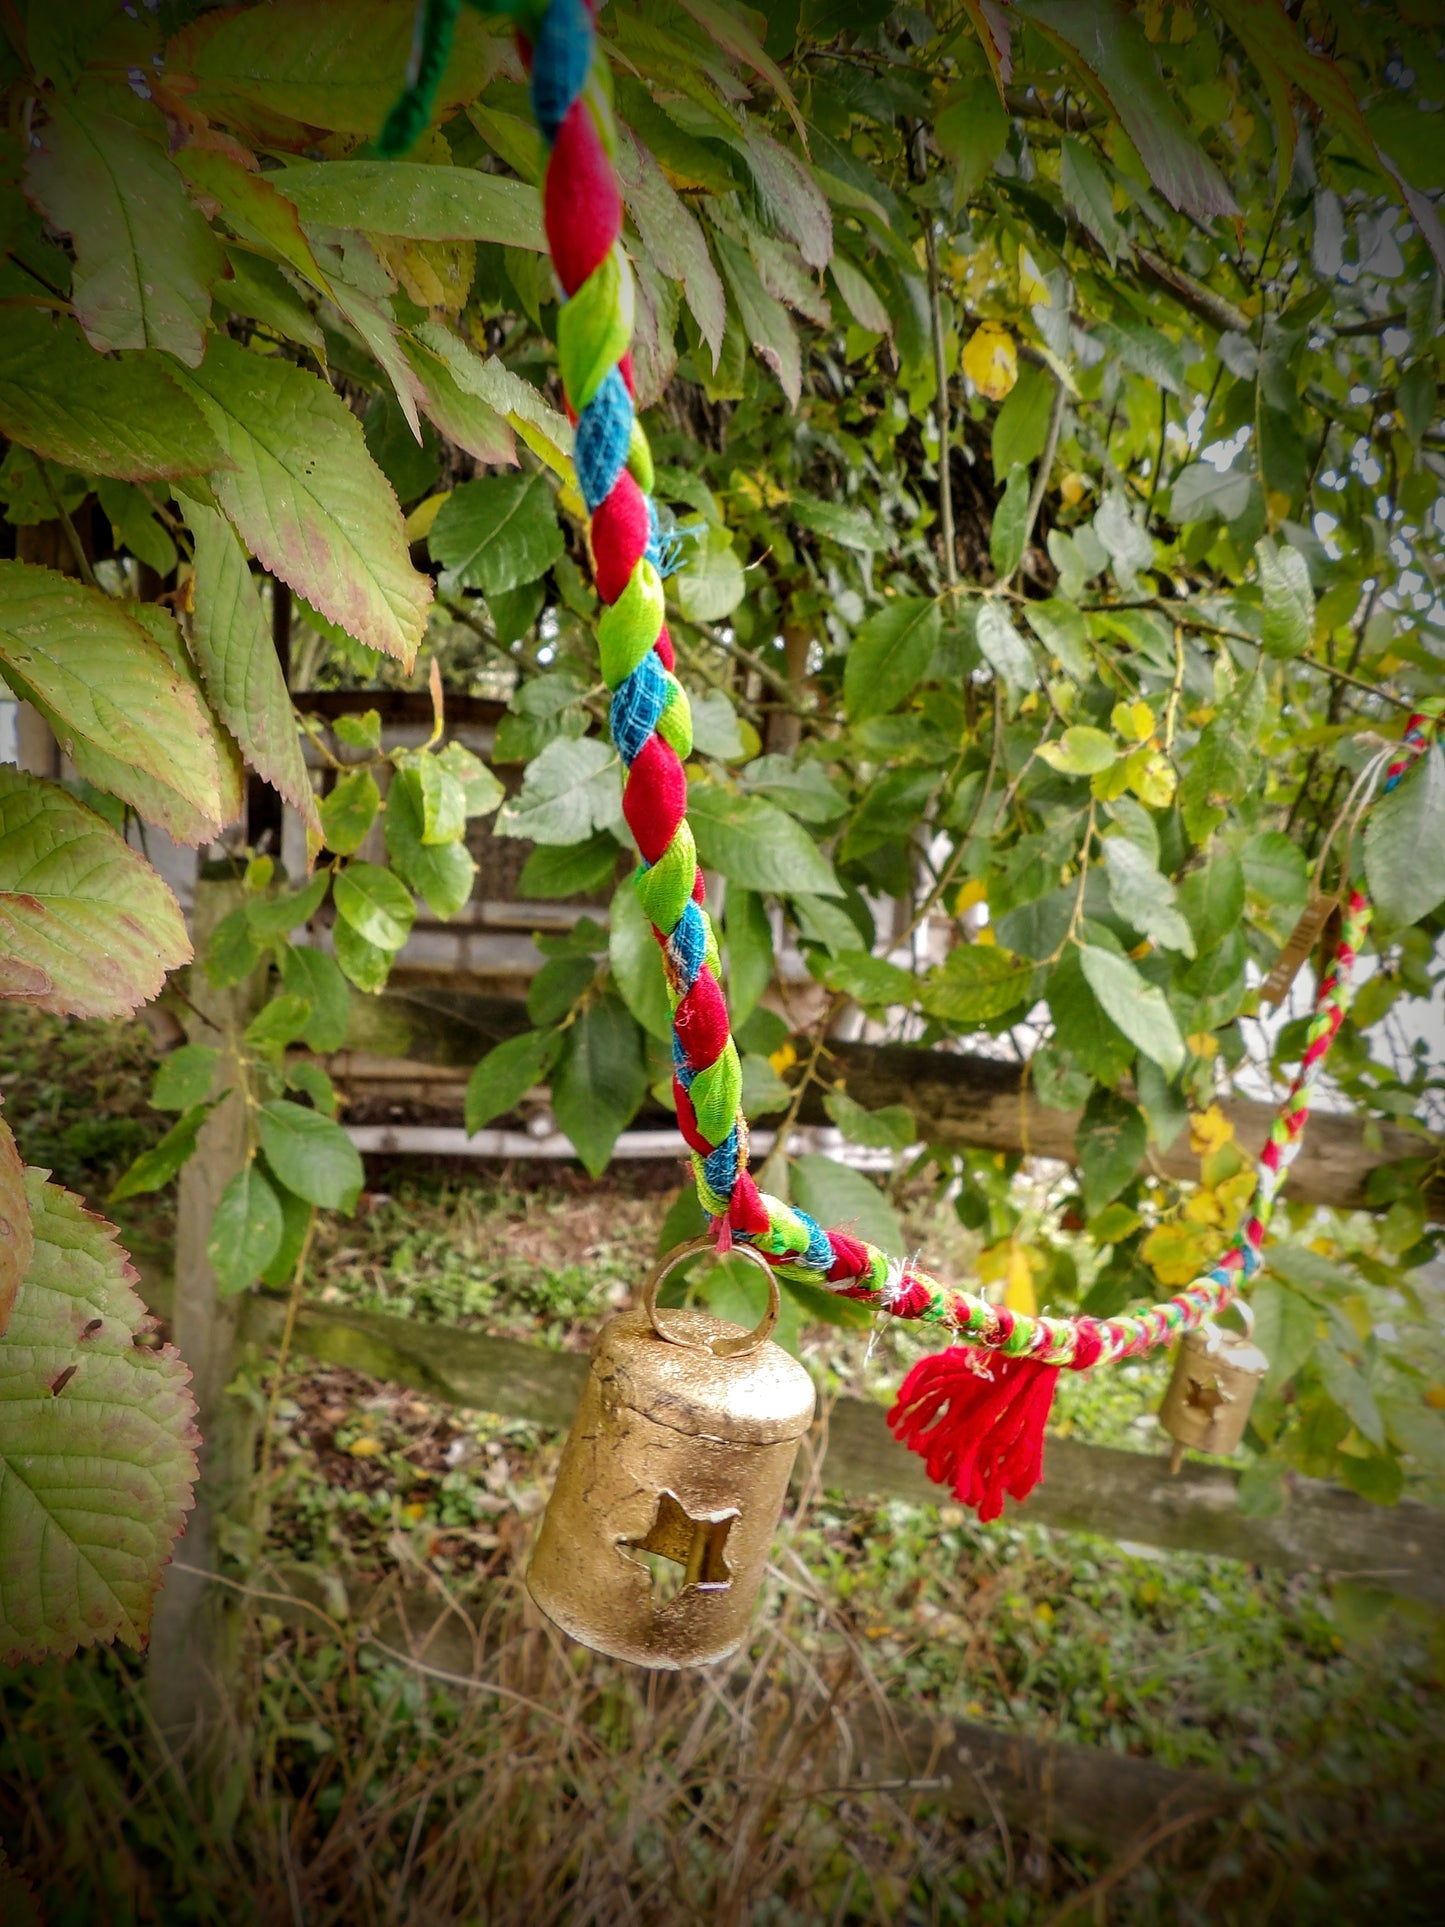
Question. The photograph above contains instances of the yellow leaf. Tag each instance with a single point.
(1073, 488)
(1153, 781)
(1134, 721)
(1203, 1043)
(416, 1510)
(1141, 949)
(991, 361)
(1019, 1288)
(364, 1448)
(1203, 1208)
(1177, 1253)
(1209, 1129)
(783, 1058)
(993, 1262)
(974, 891)
(1033, 289)
(418, 523)
(1357, 1309)
(986, 936)
(1435, 1398)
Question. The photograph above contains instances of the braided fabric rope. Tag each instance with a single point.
(652, 730)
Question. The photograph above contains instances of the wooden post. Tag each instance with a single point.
(194, 1638)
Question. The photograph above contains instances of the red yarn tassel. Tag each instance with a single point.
(981, 1435)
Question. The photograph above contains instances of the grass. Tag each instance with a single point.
(539, 1783)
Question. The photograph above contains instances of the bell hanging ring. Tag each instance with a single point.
(1216, 1375)
(654, 1540)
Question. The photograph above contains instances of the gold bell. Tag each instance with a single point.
(1216, 1375)
(672, 1480)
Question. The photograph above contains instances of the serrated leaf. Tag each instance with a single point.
(599, 1081)
(1087, 191)
(310, 1154)
(80, 1562)
(556, 988)
(637, 964)
(442, 873)
(497, 533)
(17, 1240)
(975, 982)
(1144, 898)
(1118, 63)
(504, 1076)
(769, 326)
(418, 200)
(1405, 843)
(571, 789)
(73, 406)
(376, 904)
(545, 432)
(1144, 349)
(232, 950)
(843, 1199)
(1136, 1006)
(672, 237)
(348, 811)
(307, 497)
(756, 845)
(87, 928)
(1289, 603)
(463, 418)
(312, 974)
(159, 1163)
(889, 655)
(145, 258)
(185, 1077)
(127, 717)
(325, 63)
(359, 732)
(245, 1232)
(238, 662)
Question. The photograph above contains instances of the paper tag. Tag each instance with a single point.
(1315, 916)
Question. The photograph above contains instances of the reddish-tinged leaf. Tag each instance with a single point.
(17, 1239)
(723, 26)
(990, 23)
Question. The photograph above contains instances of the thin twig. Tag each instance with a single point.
(72, 534)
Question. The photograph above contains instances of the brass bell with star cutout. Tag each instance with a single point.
(654, 1540)
(1216, 1375)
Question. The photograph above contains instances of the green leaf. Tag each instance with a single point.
(377, 905)
(481, 790)
(75, 407)
(442, 873)
(238, 662)
(364, 964)
(671, 237)
(497, 533)
(1143, 898)
(417, 200)
(1061, 628)
(971, 128)
(1212, 898)
(570, 870)
(1082, 1028)
(145, 258)
(769, 327)
(545, 432)
(1284, 1329)
(349, 811)
(749, 951)
(1415, 1428)
(1289, 603)
(1021, 426)
(599, 1081)
(637, 965)
(890, 1129)
(1111, 1140)
(1275, 869)
(128, 718)
(803, 789)
(1135, 1006)
(359, 732)
(134, 527)
(87, 928)
(1215, 776)
(84, 1401)
(185, 1077)
(310, 1154)
(843, 1199)
(278, 1023)
(159, 1163)
(975, 982)
(557, 987)
(1350, 1390)
(712, 584)
(1088, 192)
(1006, 536)
(245, 1233)
(507, 1072)
(889, 655)
(307, 497)
(1203, 493)
(232, 951)
(312, 974)
(873, 981)
(1004, 648)
(1080, 751)
(715, 728)
(310, 1079)
(1119, 65)
(269, 917)
(1405, 843)
(756, 845)
(571, 789)
(324, 63)
(296, 1217)
(1144, 349)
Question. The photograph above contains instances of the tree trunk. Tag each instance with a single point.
(193, 1648)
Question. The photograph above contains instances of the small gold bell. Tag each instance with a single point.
(654, 1540)
(1216, 1375)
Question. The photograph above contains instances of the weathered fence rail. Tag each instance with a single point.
(1123, 1495)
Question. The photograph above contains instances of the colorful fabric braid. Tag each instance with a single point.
(979, 1427)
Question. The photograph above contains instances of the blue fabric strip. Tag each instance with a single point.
(637, 703)
(687, 946)
(604, 434)
(561, 56)
(720, 1166)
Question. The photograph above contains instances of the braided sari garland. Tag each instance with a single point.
(978, 1422)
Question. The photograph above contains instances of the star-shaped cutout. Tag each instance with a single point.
(1204, 1396)
(679, 1550)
